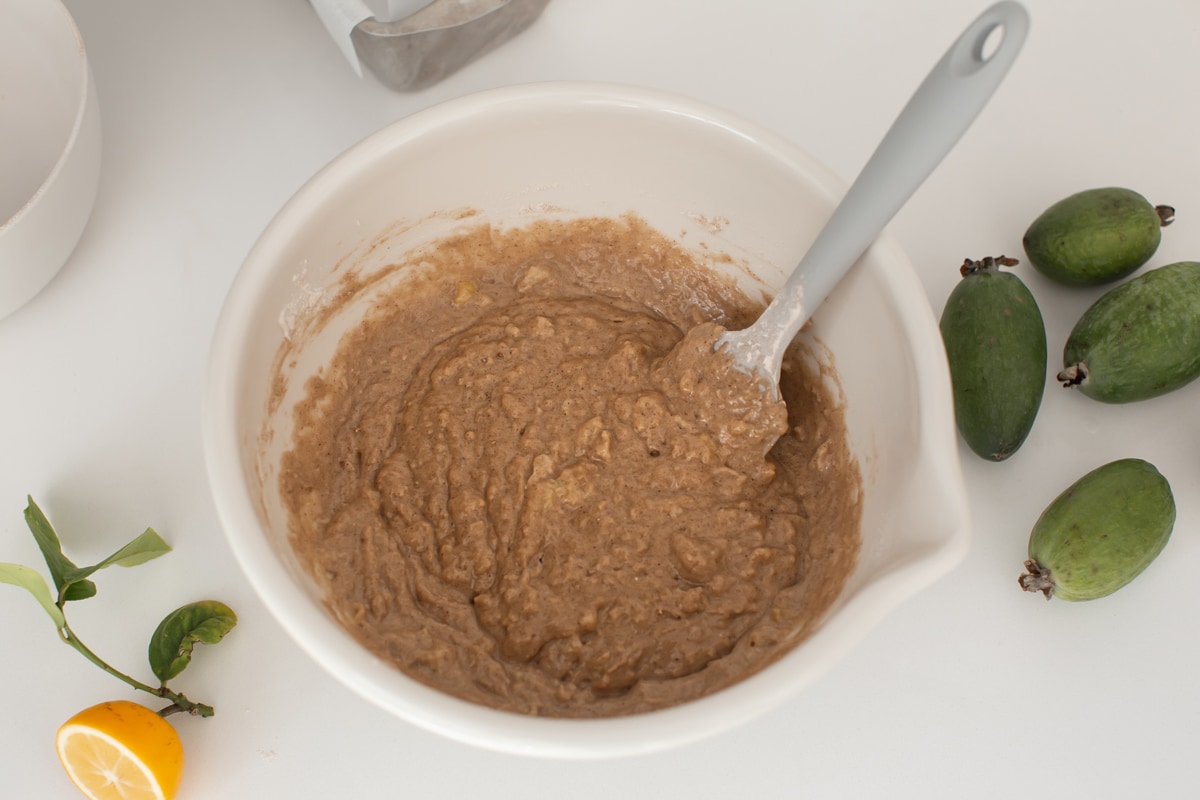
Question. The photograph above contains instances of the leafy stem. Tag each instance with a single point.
(179, 702)
(170, 650)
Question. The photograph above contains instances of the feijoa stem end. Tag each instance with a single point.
(1073, 375)
(1166, 215)
(985, 264)
(1037, 579)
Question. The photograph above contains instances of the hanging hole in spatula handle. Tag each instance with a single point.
(989, 42)
(994, 39)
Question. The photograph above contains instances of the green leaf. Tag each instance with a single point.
(142, 549)
(19, 575)
(205, 622)
(51, 547)
(80, 590)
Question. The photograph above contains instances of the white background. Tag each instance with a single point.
(214, 112)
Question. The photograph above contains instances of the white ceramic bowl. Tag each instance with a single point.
(572, 149)
(50, 158)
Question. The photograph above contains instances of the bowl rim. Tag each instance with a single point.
(83, 100)
(460, 720)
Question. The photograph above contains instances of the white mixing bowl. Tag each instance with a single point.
(718, 183)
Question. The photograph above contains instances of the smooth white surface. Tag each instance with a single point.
(216, 113)
(340, 18)
(49, 145)
(511, 156)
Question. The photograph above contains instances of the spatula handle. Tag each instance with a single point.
(939, 112)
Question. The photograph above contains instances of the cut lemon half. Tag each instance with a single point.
(121, 751)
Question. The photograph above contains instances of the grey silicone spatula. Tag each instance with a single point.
(936, 116)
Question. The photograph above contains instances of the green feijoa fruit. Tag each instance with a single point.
(1140, 339)
(1101, 532)
(1096, 236)
(996, 347)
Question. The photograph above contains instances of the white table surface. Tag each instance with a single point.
(215, 112)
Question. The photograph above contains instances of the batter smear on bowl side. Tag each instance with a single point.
(519, 482)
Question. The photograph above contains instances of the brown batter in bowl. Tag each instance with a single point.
(519, 482)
